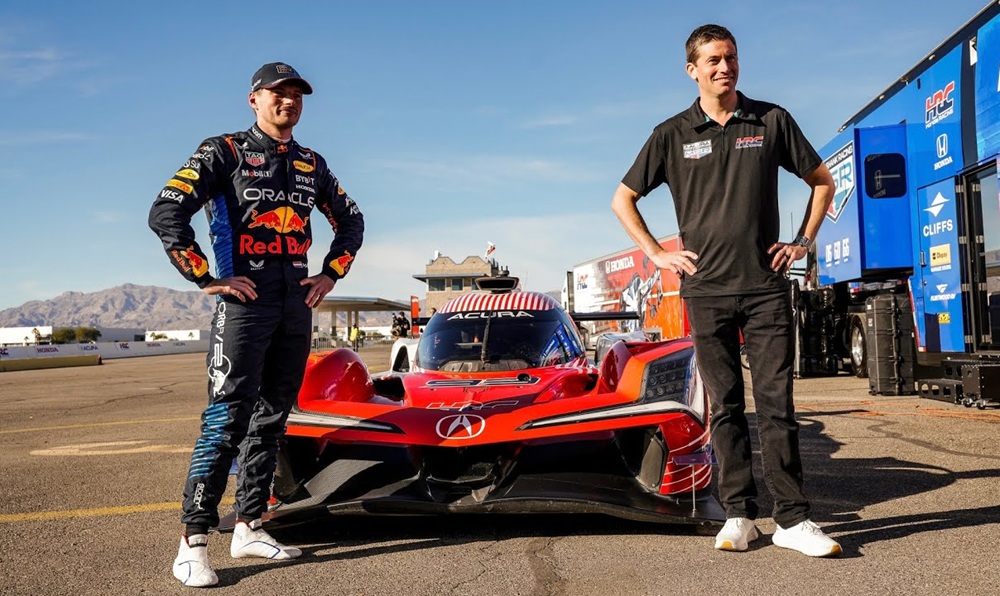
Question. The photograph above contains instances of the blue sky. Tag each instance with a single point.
(450, 123)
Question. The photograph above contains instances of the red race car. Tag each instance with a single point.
(502, 412)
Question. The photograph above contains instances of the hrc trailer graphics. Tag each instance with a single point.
(907, 282)
(626, 281)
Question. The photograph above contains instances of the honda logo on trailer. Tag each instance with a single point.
(942, 146)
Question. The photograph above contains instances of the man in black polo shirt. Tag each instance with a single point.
(720, 159)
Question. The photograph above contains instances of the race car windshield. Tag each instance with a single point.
(497, 340)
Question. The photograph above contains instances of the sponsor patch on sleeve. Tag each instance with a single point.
(342, 264)
(181, 186)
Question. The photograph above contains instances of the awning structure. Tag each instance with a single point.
(353, 305)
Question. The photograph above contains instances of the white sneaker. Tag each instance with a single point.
(736, 535)
(252, 541)
(191, 565)
(807, 538)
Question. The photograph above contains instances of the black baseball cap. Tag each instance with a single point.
(275, 73)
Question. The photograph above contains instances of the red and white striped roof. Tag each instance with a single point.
(512, 301)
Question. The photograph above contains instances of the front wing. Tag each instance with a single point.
(588, 475)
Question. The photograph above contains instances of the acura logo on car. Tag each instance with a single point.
(460, 426)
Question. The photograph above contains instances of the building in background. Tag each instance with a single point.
(25, 336)
(447, 279)
(176, 334)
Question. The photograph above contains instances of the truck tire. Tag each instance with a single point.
(859, 348)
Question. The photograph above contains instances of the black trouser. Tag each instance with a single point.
(766, 321)
(257, 356)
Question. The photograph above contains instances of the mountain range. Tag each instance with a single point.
(139, 307)
(128, 306)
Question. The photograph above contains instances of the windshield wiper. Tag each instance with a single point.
(483, 355)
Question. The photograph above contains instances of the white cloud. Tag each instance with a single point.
(42, 137)
(490, 111)
(107, 216)
(25, 290)
(647, 107)
(26, 68)
(539, 250)
(476, 173)
(548, 121)
(28, 60)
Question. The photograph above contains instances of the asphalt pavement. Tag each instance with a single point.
(93, 460)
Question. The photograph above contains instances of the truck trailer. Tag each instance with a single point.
(907, 263)
(627, 281)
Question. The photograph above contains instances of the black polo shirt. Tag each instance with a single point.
(724, 182)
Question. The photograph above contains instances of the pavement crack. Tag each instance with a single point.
(483, 561)
(882, 429)
(160, 391)
(548, 582)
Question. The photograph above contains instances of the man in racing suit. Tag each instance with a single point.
(259, 188)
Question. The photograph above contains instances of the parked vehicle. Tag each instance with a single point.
(907, 283)
(502, 411)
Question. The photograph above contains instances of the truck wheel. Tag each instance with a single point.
(859, 349)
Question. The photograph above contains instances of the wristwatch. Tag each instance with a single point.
(802, 241)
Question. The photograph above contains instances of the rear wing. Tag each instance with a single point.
(623, 315)
(618, 315)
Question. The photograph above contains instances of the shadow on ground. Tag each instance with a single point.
(840, 489)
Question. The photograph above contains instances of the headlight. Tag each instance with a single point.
(669, 384)
(669, 378)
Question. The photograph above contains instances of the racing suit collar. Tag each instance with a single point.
(262, 139)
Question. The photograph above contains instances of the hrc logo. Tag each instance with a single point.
(939, 106)
(747, 142)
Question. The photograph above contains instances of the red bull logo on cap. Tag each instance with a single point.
(282, 220)
(341, 264)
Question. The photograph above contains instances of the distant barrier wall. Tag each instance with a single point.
(106, 349)
(12, 364)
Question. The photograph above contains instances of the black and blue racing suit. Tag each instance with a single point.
(259, 195)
